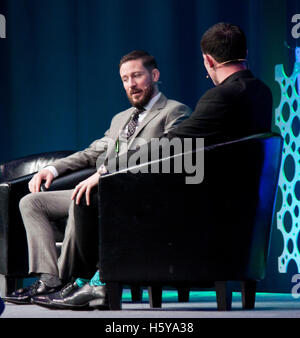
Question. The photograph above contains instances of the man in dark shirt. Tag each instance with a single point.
(240, 104)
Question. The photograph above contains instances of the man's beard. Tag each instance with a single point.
(148, 92)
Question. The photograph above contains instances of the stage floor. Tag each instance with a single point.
(201, 305)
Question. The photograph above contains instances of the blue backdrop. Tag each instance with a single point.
(59, 79)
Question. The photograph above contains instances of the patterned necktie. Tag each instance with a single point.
(131, 127)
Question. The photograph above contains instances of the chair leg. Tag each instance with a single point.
(155, 296)
(9, 284)
(114, 295)
(183, 294)
(224, 296)
(248, 288)
(136, 293)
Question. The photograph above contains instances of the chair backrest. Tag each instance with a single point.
(29, 164)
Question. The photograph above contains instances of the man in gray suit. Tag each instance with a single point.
(151, 116)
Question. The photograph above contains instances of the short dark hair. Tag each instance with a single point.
(148, 60)
(224, 42)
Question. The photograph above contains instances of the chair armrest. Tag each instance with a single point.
(23, 180)
(69, 181)
(140, 217)
(18, 185)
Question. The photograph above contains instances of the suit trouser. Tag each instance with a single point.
(79, 252)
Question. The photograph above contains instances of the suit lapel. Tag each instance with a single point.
(160, 104)
(124, 119)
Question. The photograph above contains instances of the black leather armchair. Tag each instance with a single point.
(14, 179)
(157, 231)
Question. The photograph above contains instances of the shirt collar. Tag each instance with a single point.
(151, 103)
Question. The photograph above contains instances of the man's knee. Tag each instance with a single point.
(29, 202)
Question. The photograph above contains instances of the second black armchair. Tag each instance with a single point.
(157, 231)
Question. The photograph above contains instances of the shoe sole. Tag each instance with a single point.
(55, 306)
(92, 305)
(98, 304)
(18, 302)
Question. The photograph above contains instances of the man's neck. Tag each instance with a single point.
(226, 71)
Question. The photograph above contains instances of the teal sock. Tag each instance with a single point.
(81, 281)
(95, 281)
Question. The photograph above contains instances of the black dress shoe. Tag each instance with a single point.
(46, 300)
(23, 296)
(83, 298)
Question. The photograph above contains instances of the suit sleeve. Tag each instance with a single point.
(85, 158)
(176, 116)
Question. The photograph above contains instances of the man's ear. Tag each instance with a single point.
(155, 75)
(210, 61)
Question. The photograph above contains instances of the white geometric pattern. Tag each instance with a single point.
(287, 118)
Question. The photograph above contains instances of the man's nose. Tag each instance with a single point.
(131, 82)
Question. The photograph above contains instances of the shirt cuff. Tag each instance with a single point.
(102, 170)
(52, 169)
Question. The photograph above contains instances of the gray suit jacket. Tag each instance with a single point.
(162, 117)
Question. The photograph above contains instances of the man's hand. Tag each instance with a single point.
(85, 187)
(34, 184)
